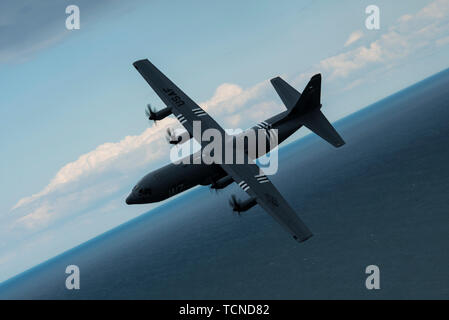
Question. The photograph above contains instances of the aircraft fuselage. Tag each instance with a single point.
(173, 179)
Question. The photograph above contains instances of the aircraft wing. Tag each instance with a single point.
(184, 108)
(252, 180)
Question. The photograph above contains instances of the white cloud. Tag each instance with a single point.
(429, 26)
(228, 98)
(104, 157)
(354, 37)
(442, 41)
(38, 217)
(353, 84)
(435, 10)
(405, 18)
(94, 178)
(224, 92)
(344, 63)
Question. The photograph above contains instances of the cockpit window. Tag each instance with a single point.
(144, 191)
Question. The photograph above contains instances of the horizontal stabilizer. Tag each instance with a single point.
(316, 121)
(286, 92)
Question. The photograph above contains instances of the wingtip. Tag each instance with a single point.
(135, 63)
(305, 238)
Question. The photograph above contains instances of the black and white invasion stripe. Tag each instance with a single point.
(263, 125)
(268, 129)
(199, 112)
(181, 118)
(244, 185)
(262, 178)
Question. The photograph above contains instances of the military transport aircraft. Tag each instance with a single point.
(302, 110)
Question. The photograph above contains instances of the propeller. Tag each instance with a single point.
(171, 137)
(212, 189)
(150, 113)
(235, 204)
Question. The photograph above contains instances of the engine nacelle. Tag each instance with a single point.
(222, 183)
(242, 206)
(161, 114)
(178, 139)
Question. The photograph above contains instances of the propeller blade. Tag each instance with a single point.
(235, 204)
(168, 135)
(150, 113)
(171, 137)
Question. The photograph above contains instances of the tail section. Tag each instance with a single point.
(316, 121)
(286, 92)
(307, 109)
(310, 98)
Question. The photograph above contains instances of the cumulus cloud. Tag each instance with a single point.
(354, 37)
(107, 155)
(94, 177)
(428, 27)
(342, 64)
(223, 93)
(228, 98)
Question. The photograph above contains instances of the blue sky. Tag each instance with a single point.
(74, 138)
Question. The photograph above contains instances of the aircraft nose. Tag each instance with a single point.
(130, 199)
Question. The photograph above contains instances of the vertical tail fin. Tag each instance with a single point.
(310, 98)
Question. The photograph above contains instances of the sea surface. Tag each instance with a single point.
(382, 199)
